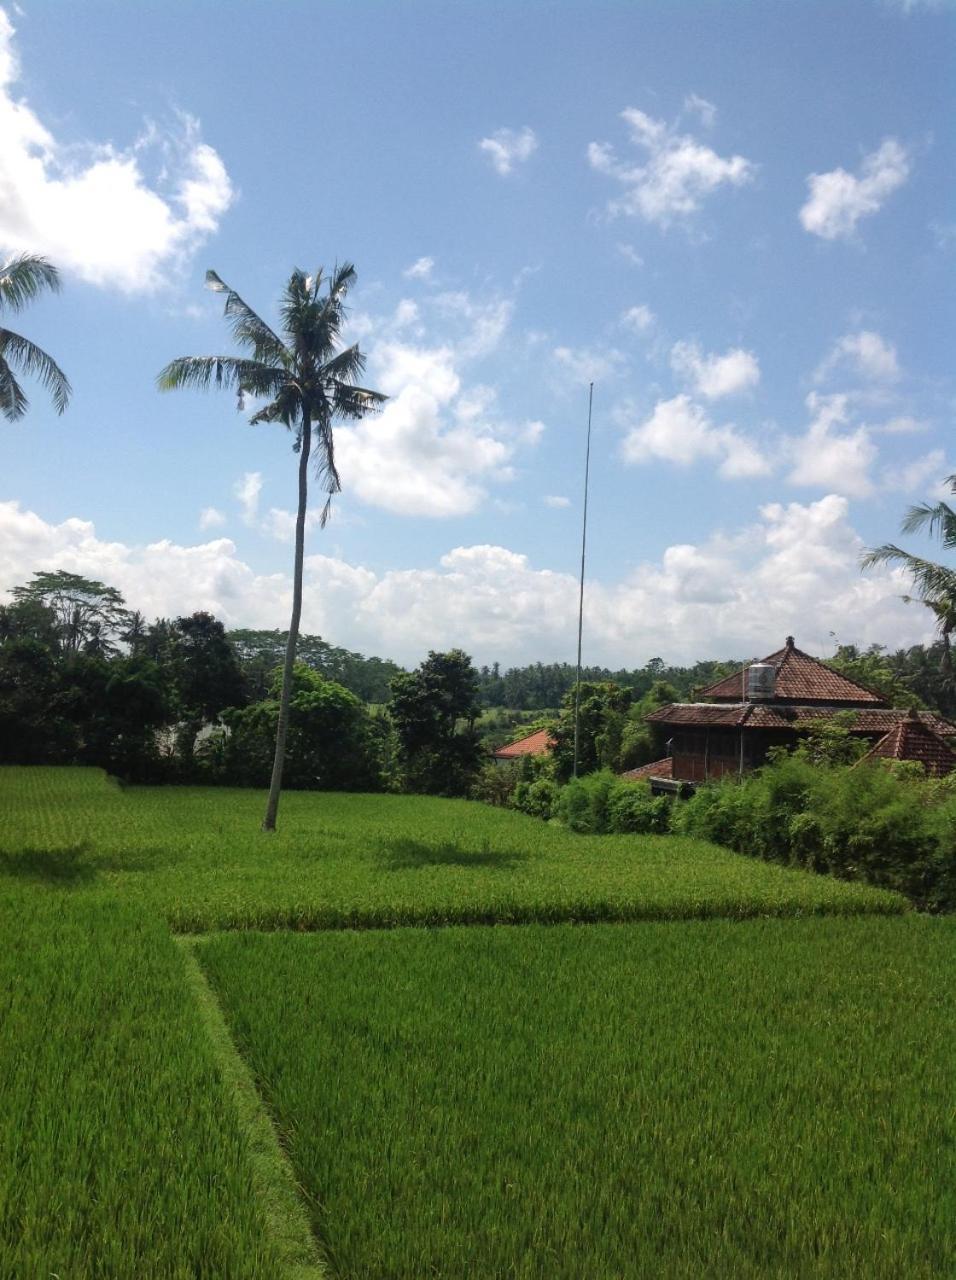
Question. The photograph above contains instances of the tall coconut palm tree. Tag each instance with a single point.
(21, 280)
(308, 381)
(935, 583)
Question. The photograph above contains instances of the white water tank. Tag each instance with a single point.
(761, 681)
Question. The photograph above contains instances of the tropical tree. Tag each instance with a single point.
(935, 583)
(21, 280)
(307, 381)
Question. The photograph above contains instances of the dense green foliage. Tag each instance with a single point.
(889, 826)
(766, 1099)
(120, 1152)
(434, 709)
(195, 856)
(260, 652)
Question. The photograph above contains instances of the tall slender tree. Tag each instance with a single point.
(21, 280)
(308, 381)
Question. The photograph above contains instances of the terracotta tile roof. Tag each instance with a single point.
(536, 744)
(911, 739)
(659, 769)
(756, 715)
(800, 678)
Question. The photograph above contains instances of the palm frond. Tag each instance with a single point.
(325, 468)
(345, 366)
(233, 372)
(248, 327)
(355, 402)
(931, 580)
(937, 519)
(13, 401)
(22, 354)
(24, 278)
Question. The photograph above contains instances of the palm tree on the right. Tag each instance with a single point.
(935, 584)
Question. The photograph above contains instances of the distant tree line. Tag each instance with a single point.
(84, 679)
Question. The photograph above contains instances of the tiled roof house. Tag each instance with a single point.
(535, 744)
(765, 705)
(913, 739)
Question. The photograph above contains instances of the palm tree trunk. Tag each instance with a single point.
(285, 697)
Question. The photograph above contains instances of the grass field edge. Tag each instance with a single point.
(277, 1190)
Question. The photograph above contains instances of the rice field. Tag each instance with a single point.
(121, 1154)
(197, 857)
(771, 1098)
(754, 1079)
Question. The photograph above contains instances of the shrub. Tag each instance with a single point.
(891, 827)
(583, 802)
(536, 798)
(632, 810)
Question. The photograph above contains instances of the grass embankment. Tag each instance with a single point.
(197, 856)
(121, 1153)
(771, 1098)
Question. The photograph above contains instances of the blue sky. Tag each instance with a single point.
(737, 219)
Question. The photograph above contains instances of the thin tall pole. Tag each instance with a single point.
(584, 543)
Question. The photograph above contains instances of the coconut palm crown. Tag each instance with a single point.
(22, 279)
(308, 382)
(935, 584)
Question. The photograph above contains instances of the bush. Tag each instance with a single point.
(583, 802)
(632, 810)
(538, 799)
(888, 826)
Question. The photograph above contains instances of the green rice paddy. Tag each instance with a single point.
(196, 856)
(754, 1077)
(706, 1099)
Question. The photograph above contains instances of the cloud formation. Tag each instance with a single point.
(828, 457)
(91, 208)
(866, 354)
(713, 376)
(680, 432)
(793, 569)
(507, 148)
(838, 199)
(677, 173)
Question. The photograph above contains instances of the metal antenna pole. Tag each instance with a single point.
(584, 543)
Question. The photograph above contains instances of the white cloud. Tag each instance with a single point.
(706, 111)
(639, 319)
(211, 518)
(417, 456)
(557, 501)
(715, 376)
(406, 313)
(838, 199)
(792, 570)
(902, 426)
(583, 365)
(247, 492)
(828, 458)
(677, 174)
(679, 431)
(421, 269)
(509, 147)
(91, 209)
(630, 254)
(866, 354)
(486, 321)
(922, 475)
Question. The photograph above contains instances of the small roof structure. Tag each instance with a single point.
(659, 769)
(913, 739)
(800, 679)
(535, 744)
